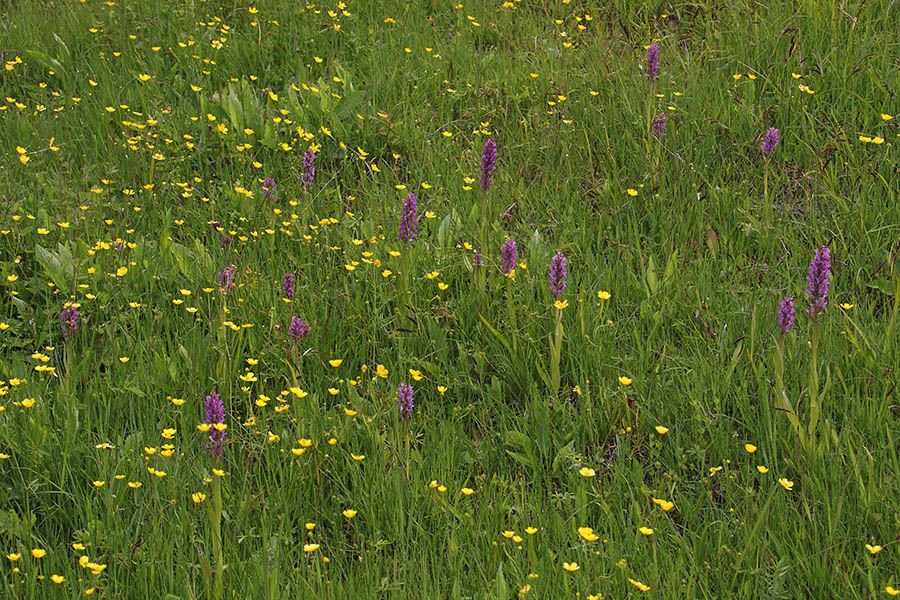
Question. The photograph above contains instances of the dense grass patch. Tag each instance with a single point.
(646, 429)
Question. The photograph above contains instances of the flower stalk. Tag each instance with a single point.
(769, 143)
(557, 286)
(508, 267)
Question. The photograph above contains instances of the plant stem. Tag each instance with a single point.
(813, 385)
(511, 310)
(555, 353)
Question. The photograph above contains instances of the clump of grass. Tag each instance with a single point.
(165, 167)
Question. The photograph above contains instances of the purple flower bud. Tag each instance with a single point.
(476, 258)
(508, 256)
(817, 282)
(215, 414)
(557, 274)
(268, 187)
(488, 164)
(298, 329)
(770, 142)
(405, 400)
(786, 314)
(653, 61)
(659, 125)
(69, 317)
(226, 278)
(408, 219)
(309, 168)
(287, 285)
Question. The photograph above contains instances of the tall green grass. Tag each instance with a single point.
(166, 118)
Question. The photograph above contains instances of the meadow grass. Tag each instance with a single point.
(646, 432)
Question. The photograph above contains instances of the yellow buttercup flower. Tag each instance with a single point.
(663, 504)
(625, 380)
(874, 549)
(786, 483)
(750, 448)
(661, 430)
(588, 534)
(646, 530)
(586, 472)
(561, 304)
(641, 586)
(571, 567)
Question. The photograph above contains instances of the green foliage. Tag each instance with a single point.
(136, 137)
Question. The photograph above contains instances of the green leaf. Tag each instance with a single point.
(54, 267)
(46, 61)
(231, 104)
(444, 230)
(184, 259)
(564, 455)
(183, 353)
(203, 257)
(136, 391)
(712, 241)
(347, 105)
(496, 333)
(23, 309)
(670, 268)
(542, 373)
(268, 138)
(62, 44)
(650, 277)
(500, 591)
(523, 460)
